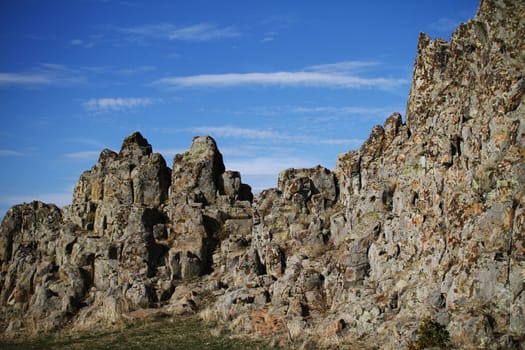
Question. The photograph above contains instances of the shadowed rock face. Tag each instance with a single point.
(426, 219)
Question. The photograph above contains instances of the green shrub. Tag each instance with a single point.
(431, 334)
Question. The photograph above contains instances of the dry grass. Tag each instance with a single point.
(156, 333)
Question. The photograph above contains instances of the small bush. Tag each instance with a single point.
(431, 334)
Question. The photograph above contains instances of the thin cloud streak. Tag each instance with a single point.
(167, 31)
(267, 135)
(267, 165)
(347, 142)
(280, 20)
(111, 104)
(90, 42)
(59, 198)
(236, 132)
(24, 79)
(259, 183)
(83, 155)
(249, 134)
(346, 110)
(294, 79)
(44, 74)
(335, 112)
(337, 75)
(169, 153)
(269, 36)
(136, 71)
(203, 32)
(76, 42)
(445, 25)
(343, 66)
(10, 153)
(241, 151)
(82, 43)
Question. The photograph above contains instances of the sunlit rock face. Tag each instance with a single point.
(425, 220)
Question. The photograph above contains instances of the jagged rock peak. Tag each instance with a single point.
(135, 176)
(484, 58)
(106, 156)
(203, 145)
(198, 171)
(135, 144)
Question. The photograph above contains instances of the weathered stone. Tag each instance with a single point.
(425, 220)
(198, 171)
(308, 182)
(232, 187)
(134, 176)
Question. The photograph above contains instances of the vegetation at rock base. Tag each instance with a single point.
(157, 333)
(431, 335)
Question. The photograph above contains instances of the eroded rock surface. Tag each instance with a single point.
(425, 220)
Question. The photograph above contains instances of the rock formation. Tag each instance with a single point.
(425, 220)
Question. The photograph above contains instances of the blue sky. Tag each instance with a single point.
(278, 84)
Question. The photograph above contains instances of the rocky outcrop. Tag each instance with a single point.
(125, 242)
(133, 177)
(425, 221)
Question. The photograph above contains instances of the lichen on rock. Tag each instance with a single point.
(423, 224)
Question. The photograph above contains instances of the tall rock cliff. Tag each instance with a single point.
(446, 190)
(424, 224)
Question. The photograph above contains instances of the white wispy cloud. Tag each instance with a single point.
(267, 165)
(312, 79)
(58, 198)
(203, 32)
(261, 154)
(269, 36)
(143, 34)
(168, 31)
(115, 104)
(10, 153)
(344, 110)
(169, 153)
(445, 25)
(236, 132)
(328, 112)
(88, 141)
(343, 66)
(344, 142)
(250, 149)
(24, 79)
(239, 151)
(280, 20)
(337, 75)
(265, 135)
(136, 70)
(83, 155)
(43, 74)
(259, 182)
(88, 44)
(249, 134)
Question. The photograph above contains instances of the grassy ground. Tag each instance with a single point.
(157, 334)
